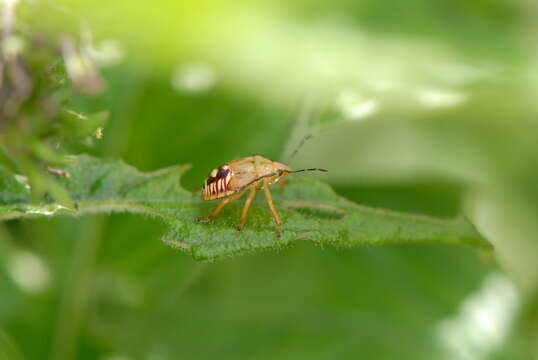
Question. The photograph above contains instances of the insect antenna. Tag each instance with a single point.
(311, 169)
(303, 141)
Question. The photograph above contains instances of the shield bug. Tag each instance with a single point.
(253, 173)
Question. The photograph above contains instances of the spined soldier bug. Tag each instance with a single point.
(231, 180)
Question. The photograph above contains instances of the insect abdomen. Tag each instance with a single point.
(216, 184)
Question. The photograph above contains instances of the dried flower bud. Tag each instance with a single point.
(81, 69)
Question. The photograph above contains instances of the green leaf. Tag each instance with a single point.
(310, 210)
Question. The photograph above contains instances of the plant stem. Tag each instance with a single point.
(74, 302)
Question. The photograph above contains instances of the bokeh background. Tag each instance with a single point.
(419, 106)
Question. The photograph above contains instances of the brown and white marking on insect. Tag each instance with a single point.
(252, 173)
(216, 183)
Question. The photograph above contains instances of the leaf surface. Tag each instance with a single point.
(310, 210)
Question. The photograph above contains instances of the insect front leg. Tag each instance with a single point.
(220, 206)
(278, 223)
(245, 208)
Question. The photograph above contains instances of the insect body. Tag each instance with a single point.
(231, 180)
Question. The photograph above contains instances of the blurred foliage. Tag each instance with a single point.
(418, 106)
(36, 120)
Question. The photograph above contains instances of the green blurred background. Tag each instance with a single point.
(419, 106)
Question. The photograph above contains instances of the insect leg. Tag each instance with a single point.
(269, 199)
(220, 206)
(245, 208)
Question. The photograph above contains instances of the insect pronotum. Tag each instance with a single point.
(231, 180)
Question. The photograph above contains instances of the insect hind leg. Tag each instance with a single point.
(219, 207)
